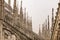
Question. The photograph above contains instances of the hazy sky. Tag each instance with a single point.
(39, 10)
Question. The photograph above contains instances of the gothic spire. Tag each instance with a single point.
(52, 16)
(21, 14)
(21, 10)
(21, 7)
(48, 22)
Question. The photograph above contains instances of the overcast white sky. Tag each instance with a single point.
(38, 9)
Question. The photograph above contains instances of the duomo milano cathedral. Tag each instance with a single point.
(15, 24)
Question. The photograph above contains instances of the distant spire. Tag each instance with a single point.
(21, 10)
(48, 22)
(52, 16)
(9, 2)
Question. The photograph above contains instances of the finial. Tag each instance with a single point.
(52, 14)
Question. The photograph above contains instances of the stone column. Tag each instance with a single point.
(1, 18)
